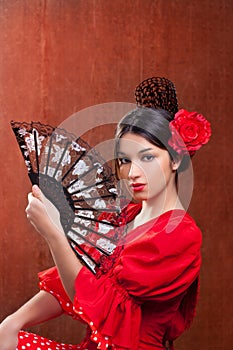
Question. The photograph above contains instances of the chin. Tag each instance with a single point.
(139, 197)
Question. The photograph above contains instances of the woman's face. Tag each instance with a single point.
(146, 167)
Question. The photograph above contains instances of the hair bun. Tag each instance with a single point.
(157, 92)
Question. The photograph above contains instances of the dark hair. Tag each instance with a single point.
(153, 125)
(157, 92)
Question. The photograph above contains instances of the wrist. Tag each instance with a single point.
(54, 236)
(49, 230)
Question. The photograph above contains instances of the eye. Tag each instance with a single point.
(124, 160)
(148, 157)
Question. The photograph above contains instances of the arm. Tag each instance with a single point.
(64, 257)
(42, 307)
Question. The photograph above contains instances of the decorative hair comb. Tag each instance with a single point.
(190, 130)
(157, 92)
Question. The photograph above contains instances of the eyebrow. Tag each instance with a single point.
(142, 151)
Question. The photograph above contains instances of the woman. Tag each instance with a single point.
(145, 297)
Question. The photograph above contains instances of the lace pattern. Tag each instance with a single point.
(77, 180)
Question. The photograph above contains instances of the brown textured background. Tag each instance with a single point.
(59, 56)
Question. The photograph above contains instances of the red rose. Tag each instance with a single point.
(190, 131)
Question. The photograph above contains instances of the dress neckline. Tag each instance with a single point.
(133, 209)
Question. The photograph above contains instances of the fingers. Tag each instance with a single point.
(27, 210)
(36, 192)
(35, 207)
(30, 197)
(33, 198)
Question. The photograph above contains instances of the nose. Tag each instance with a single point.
(134, 171)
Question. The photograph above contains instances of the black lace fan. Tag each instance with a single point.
(76, 179)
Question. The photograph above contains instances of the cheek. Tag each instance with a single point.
(157, 174)
(165, 170)
(124, 171)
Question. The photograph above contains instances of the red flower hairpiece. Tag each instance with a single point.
(190, 131)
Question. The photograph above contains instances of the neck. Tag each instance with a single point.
(163, 202)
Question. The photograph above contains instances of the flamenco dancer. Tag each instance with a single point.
(147, 297)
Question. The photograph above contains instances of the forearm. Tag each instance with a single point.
(42, 307)
(65, 259)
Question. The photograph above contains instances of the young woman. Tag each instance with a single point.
(146, 297)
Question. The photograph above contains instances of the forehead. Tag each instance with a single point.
(133, 142)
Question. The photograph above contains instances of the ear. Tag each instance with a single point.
(175, 163)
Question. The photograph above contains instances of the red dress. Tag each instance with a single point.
(146, 299)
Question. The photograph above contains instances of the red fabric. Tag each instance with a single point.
(36, 342)
(148, 297)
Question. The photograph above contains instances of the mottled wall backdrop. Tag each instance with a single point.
(59, 56)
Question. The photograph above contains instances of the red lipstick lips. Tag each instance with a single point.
(137, 187)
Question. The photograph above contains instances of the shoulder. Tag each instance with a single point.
(176, 222)
(173, 229)
(177, 229)
(187, 227)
